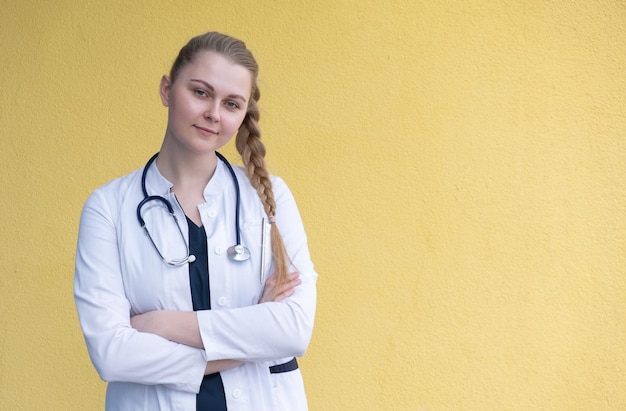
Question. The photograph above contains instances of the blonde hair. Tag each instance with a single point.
(248, 140)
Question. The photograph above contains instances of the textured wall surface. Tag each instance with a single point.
(460, 168)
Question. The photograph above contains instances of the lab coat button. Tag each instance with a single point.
(219, 250)
(212, 213)
(222, 301)
(236, 393)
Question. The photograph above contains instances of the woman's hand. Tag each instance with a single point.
(272, 293)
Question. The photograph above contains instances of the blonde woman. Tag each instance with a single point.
(194, 285)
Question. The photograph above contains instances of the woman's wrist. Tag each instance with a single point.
(220, 365)
(177, 326)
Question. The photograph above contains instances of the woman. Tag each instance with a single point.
(188, 294)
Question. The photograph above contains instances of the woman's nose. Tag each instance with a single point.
(212, 111)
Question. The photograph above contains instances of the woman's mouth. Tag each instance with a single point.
(206, 131)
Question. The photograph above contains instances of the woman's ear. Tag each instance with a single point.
(164, 90)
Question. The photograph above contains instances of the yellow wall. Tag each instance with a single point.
(461, 170)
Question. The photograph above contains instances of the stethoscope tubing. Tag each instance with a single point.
(238, 197)
(238, 252)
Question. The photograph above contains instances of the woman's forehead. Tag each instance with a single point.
(211, 67)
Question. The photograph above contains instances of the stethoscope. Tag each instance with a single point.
(236, 252)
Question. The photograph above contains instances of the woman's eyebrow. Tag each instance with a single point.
(210, 87)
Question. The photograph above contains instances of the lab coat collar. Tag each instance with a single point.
(157, 184)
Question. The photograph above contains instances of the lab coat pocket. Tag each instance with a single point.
(257, 237)
(288, 391)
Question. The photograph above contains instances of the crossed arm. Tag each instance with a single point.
(182, 326)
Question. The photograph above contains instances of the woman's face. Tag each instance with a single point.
(207, 102)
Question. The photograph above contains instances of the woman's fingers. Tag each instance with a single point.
(289, 287)
(275, 294)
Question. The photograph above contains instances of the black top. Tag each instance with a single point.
(211, 396)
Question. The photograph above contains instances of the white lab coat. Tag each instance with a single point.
(119, 274)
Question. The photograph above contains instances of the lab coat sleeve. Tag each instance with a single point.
(274, 329)
(119, 352)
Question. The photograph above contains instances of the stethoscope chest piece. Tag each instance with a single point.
(238, 253)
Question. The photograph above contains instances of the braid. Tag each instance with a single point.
(252, 150)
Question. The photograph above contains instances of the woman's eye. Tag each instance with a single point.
(232, 105)
(200, 93)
